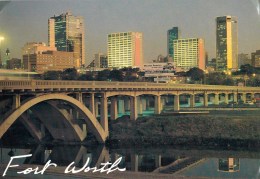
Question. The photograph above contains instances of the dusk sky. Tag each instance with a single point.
(27, 21)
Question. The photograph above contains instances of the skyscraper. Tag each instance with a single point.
(226, 43)
(125, 49)
(172, 34)
(189, 53)
(66, 33)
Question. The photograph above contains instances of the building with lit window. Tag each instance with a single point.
(172, 34)
(226, 43)
(125, 49)
(255, 57)
(189, 53)
(66, 33)
(48, 61)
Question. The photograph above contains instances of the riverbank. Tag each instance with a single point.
(201, 130)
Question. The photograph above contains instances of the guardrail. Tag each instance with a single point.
(49, 84)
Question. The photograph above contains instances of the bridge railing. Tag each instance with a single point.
(49, 84)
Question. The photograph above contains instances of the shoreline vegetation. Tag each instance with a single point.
(215, 130)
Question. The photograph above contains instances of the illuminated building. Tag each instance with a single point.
(189, 53)
(125, 49)
(66, 33)
(226, 43)
(48, 61)
(172, 34)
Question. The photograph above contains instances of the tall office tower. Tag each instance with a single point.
(66, 33)
(226, 43)
(189, 53)
(172, 34)
(125, 49)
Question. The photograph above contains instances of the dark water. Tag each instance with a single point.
(164, 160)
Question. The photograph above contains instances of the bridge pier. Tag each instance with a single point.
(16, 101)
(104, 113)
(243, 97)
(139, 104)
(216, 99)
(235, 97)
(144, 103)
(226, 98)
(133, 109)
(206, 100)
(176, 103)
(113, 109)
(92, 103)
(157, 105)
(192, 101)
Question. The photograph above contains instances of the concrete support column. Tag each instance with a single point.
(16, 101)
(235, 96)
(244, 97)
(121, 106)
(252, 96)
(96, 108)
(176, 103)
(192, 101)
(158, 161)
(144, 103)
(226, 98)
(216, 100)
(79, 97)
(162, 102)
(140, 105)
(157, 105)
(205, 99)
(133, 110)
(92, 103)
(104, 113)
(113, 108)
(134, 162)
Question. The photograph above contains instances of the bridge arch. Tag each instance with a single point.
(92, 122)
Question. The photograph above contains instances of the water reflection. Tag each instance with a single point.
(201, 163)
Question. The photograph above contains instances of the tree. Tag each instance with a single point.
(116, 75)
(52, 75)
(195, 74)
(247, 69)
(70, 74)
(86, 77)
(103, 75)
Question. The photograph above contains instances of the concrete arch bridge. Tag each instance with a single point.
(68, 109)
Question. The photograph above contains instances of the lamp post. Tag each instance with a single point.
(1, 39)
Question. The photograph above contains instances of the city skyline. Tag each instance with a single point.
(153, 18)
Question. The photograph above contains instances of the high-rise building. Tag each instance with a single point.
(226, 43)
(66, 33)
(125, 49)
(172, 34)
(189, 53)
(100, 61)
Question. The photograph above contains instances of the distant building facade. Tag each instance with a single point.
(189, 53)
(100, 61)
(172, 34)
(226, 43)
(48, 60)
(125, 49)
(36, 48)
(243, 59)
(14, 63)
(67, 33)
(255, 57)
